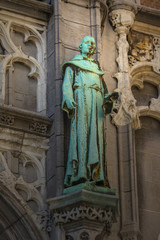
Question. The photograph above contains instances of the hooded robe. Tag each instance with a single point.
(83, 83)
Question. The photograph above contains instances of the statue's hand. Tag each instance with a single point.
(71, 104)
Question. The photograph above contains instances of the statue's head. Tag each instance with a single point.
(87, 46)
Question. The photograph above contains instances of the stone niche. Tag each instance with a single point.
(20, 89)
(148, 178)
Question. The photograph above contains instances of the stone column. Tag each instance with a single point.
(84, 215)
(121, 15)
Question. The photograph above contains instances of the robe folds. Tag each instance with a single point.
(83, 83)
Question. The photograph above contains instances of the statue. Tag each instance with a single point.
(86, 101)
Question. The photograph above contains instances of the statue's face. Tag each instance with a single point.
(88, 46)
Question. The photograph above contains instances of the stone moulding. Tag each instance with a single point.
(32, 8)
(24, 120)
(152, 15)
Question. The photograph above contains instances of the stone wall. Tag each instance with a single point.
(36, 39)
(24, 125)
(152, 4)
(148, 166)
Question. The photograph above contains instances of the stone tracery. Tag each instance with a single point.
(14, 53)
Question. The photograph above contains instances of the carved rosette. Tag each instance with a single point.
(125, 110)
(6, 119)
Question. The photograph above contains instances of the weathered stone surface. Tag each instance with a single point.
(148, 155)
(84, 213)
(30, 8)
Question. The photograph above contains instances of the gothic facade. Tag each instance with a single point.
(36, 38)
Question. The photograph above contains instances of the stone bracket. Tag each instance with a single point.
(84, 214)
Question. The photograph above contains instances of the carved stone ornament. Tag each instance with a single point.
(125, 110)
(156, 44)
(10, 54)
(6, 119)
(141, 48)
(23, 120)
(121, 19)
(84, 236)
(14, 176)
(38, 127)
(69, 237)
(44, 220)
(83, 212)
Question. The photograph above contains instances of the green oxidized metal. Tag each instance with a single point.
(84, 91)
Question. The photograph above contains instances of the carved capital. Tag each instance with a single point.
(121, 20)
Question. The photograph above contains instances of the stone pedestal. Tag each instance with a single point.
(84, 214)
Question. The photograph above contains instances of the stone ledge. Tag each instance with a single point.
(148, 15)
(31, 8)
(86, 197)
(24, 120)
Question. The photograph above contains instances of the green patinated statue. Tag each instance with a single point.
(86, 101)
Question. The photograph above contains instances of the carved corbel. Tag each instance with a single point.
(80, 217)
(122, 20)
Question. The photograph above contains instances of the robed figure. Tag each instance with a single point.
(84, 92)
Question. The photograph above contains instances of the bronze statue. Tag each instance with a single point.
(86, 101)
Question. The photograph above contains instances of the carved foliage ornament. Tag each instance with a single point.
(82, 212)
(141, 48)
(144, 48)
